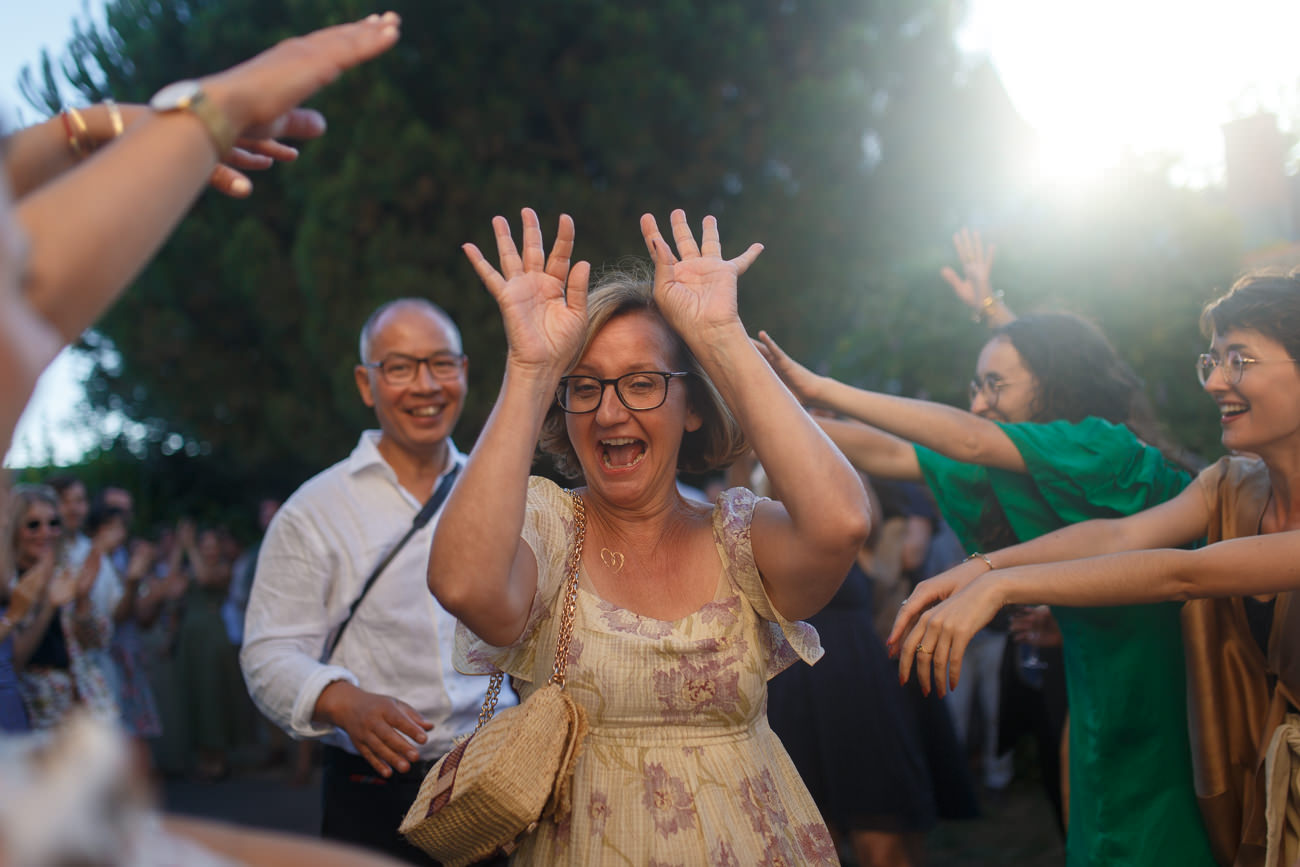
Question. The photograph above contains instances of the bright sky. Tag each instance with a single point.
(1094, 78)
(1100, 77)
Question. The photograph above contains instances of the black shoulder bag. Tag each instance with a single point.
(421, 519)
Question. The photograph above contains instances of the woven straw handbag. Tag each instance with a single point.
(515, 769)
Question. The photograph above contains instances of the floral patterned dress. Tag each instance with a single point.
(680, 766)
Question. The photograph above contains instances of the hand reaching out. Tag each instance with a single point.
(248, 154)
(543, 300)
(799, 379)
(696, 289)
(260, 96)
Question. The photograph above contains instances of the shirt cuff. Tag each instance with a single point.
(301, 722)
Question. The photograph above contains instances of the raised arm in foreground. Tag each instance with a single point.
(803, 545)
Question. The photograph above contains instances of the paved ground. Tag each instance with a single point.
(1019, 830)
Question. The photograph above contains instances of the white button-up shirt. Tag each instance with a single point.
(318, 552)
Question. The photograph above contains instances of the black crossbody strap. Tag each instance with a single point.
(421, 519)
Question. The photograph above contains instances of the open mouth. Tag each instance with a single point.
(426, 411)
(622, 453)
(1232, 410)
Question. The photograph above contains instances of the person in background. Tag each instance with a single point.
(234, 609)
(1058, 431)
(56, 674)
(386, 702)
(1239, 625)
(135, 697)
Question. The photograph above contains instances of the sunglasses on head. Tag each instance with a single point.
(36, 523)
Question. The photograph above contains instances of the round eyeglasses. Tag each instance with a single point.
(398, 369)
(990, 385)
(1233, 364)
(640, 390)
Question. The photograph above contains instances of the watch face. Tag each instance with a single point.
(176, 95)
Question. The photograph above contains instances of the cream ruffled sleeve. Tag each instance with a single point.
(785, 640)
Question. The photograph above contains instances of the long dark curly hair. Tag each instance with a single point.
(1079, 374)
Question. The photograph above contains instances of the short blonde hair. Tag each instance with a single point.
(21, 498)
(719, 440)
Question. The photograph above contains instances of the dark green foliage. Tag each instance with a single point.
(842, 134)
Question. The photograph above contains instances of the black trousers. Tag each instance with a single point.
(362, 808)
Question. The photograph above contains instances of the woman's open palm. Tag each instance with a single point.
(695, 289)
(543, 300)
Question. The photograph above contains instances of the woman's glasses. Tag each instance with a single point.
(1233, 364)
(36, 523)
(990, 385)
(640, 390)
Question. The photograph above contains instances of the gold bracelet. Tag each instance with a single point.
(115, 117)
(74, 126)
(986, 307)
(985, 557)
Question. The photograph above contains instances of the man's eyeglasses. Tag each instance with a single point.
(640, 390)
(990, 385)
(1233, 364)
(36, 523)
(398, 369)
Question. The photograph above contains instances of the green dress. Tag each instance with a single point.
(1131, 794)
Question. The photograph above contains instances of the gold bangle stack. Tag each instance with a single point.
(80, 142)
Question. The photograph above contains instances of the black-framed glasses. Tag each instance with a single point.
(990, 385)
(398, 369)
(36, 523)
(640, 390)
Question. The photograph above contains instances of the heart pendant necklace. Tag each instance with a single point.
(612, 559)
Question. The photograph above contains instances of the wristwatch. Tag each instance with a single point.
(188, 96)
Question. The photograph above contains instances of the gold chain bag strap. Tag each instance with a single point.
(516, 768)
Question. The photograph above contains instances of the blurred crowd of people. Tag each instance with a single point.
(150, 636)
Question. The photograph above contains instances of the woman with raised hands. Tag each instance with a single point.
(684, 610)
(1057, 433)
(1242, 652)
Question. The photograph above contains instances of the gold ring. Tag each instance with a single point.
(920, 648)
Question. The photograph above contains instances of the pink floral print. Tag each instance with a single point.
(668, 801)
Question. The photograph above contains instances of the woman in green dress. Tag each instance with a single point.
(1058, 432)
(1242, 642)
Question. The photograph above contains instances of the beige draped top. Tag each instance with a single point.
(1236, 695)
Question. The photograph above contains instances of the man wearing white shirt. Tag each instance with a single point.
(387, 701)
